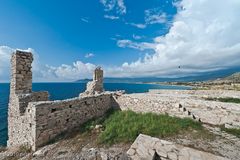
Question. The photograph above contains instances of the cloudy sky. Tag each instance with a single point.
(128, 38)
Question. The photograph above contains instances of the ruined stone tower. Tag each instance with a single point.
(95, 86)
(19, 122)
(98, 78)
(21, 76)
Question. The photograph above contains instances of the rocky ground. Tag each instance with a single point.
(85, 147)
(73, 146)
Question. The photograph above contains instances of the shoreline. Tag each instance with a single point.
(168, 84)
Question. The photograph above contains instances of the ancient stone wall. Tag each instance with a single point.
(33, 120)
(19, 122)
(52, 118)
(183, 105)
(95, 86)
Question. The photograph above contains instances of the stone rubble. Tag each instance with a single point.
(150, 148)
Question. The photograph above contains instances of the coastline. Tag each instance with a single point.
(169, 84)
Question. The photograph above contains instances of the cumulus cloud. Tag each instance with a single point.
(199, 40)
(89, 55)
(5, 56)
(114, 5)
(46, 73)
(64, 72)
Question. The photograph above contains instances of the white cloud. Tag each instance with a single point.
(199, 40)
(64, 72)
(85, 19)
(154, 16)
(5, 56)
(137, 37)
(140, 46)
(114, 5)
(138, 25)
(111, 17)
(89, 55)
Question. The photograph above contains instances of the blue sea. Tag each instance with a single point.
(59, 91)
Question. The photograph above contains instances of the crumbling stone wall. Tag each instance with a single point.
(95, 86)
(188, 105)
(19, 122)
(53, 118)
(33, 120)
(21, 81)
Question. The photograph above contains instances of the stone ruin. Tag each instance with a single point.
(95, 86)
(20, 120)
(33, 120)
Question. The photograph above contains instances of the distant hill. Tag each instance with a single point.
(206, 76)
(83, 80)
(234, 78)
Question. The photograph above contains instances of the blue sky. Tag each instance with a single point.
(69, 30)
(128, 38)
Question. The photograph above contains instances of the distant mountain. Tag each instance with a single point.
(83, 80)
(206, 76)
(234, 78)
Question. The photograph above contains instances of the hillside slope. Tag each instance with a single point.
(233, 78)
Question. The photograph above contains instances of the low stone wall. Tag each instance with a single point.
(52, 118)
(182, 105)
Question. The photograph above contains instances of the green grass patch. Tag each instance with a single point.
(227, 99)
(125, 126)
(233, 131)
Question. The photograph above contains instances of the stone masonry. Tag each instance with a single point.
(33, 120)
(19, 122)
(185, 103)
(21, 81)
